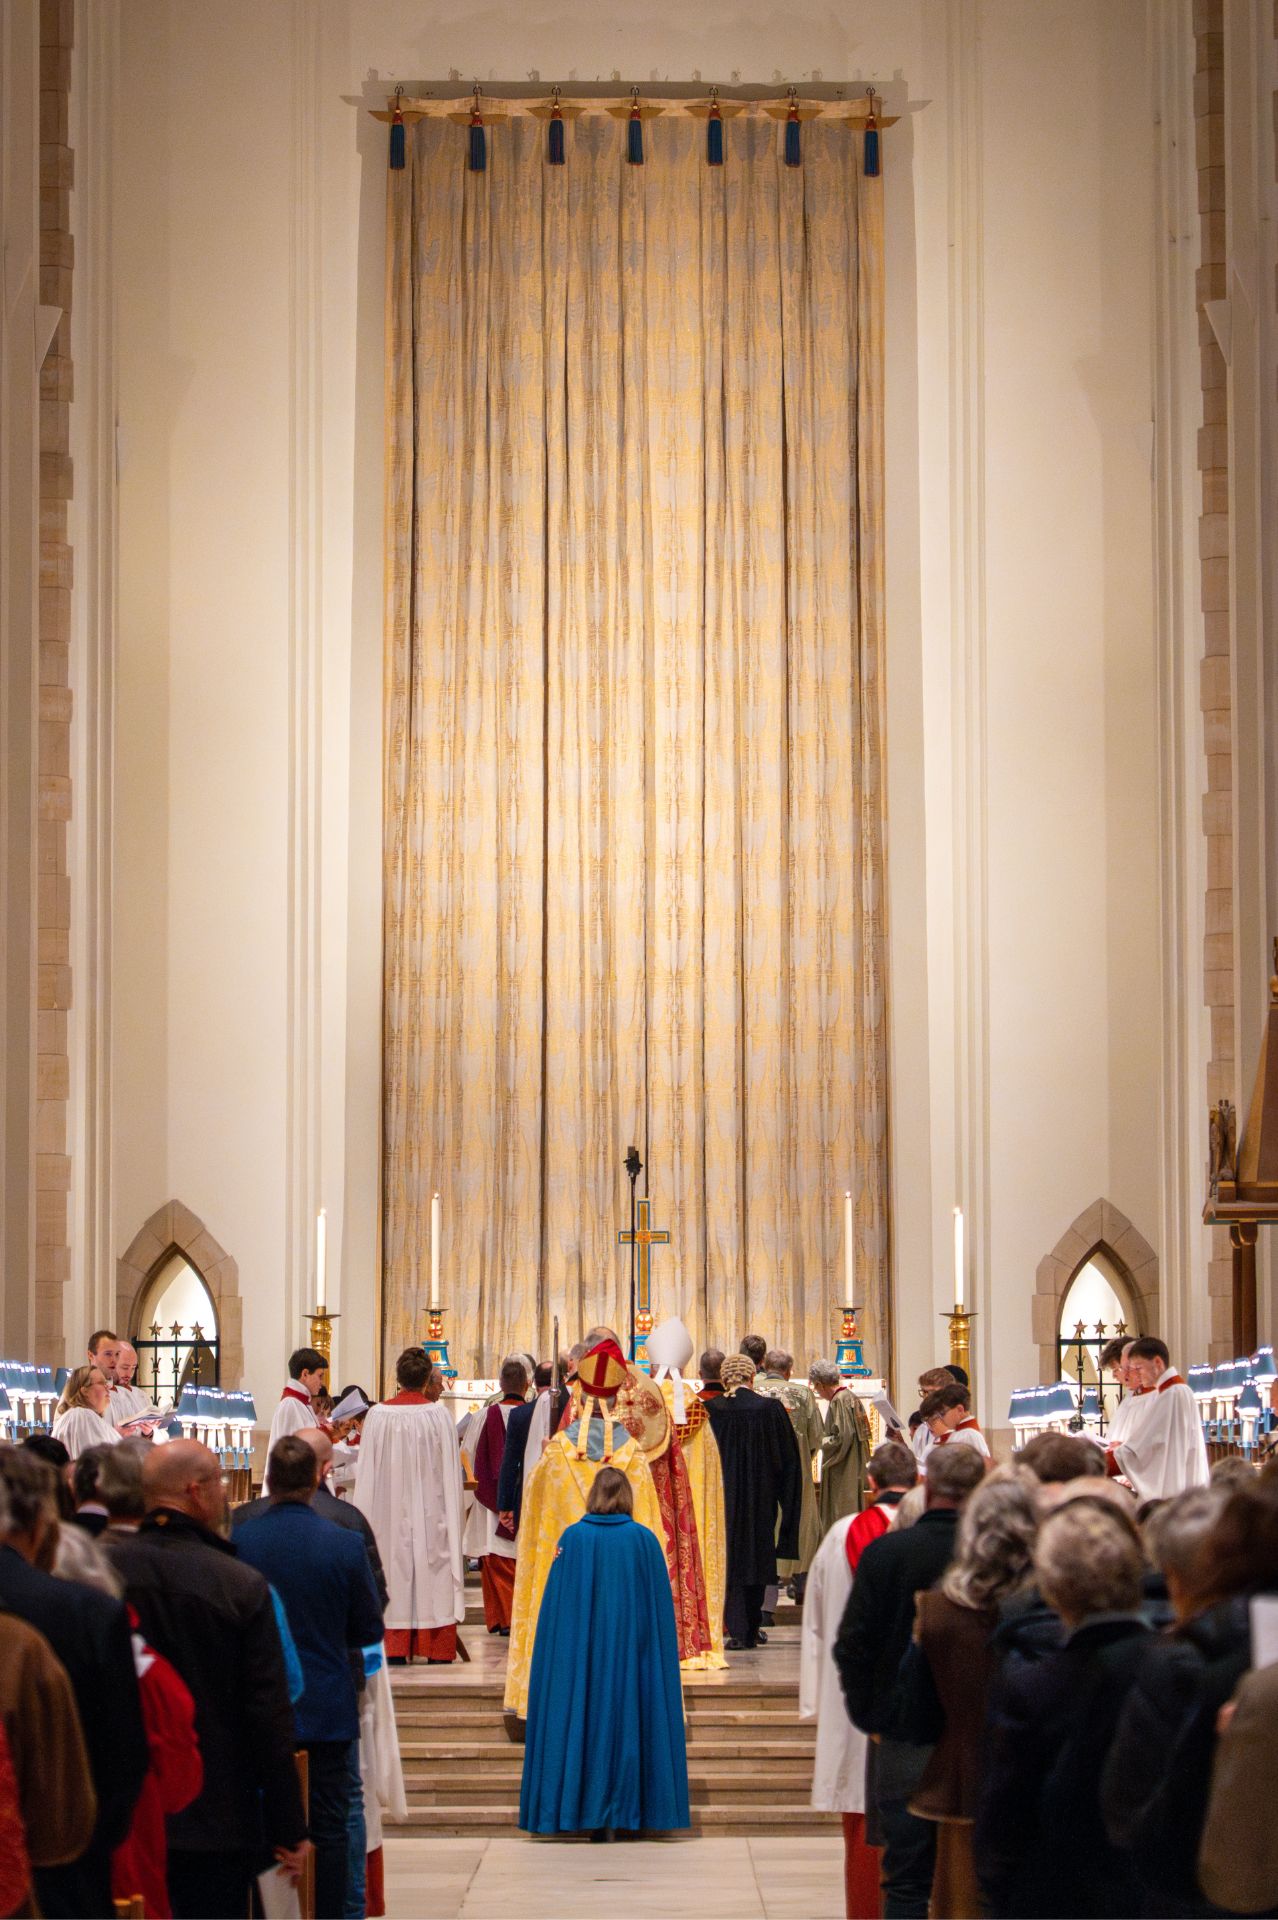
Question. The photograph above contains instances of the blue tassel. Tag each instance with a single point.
(714, 138)
(872, 137)
(478, 147)
(793, 151)
(555, 153)
(634, 137)
(397, 133)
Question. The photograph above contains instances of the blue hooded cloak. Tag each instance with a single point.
(605, 1744)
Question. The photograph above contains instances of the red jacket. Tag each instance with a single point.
(174, 1778)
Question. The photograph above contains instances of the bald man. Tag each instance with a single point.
(128, 1401)
(213, 1617)
(343, 1513)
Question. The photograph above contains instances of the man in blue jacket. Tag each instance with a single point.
(321, 1572)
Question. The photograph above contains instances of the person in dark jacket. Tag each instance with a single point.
(872, 1641)
(1157, 1778)
(1040, 1844)
(321, 1573)
(324, 1502)
(761, 1495)
(213, 1618)
(89, 1632)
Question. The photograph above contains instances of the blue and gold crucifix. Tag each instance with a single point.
(645, 1236)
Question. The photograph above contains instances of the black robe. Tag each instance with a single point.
(761, 1481)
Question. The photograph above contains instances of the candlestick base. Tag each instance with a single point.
(435, 1343)
(960, 1320)
(321, 1325)
(639, 1345)
(850, 1358)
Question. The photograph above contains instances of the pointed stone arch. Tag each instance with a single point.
(1101, 1229)
(175, 1229)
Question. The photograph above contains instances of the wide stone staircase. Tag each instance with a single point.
(749, 1754)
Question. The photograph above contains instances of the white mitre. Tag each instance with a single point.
(670, 1349)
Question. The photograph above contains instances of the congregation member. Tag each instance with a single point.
(119, 1488)
(307, 1374)
(322, 1574)
(1040, 1841)
(761, 1496)
(838, 1776)
(1161, 1450)
(90, 1511)
(42, 1748)
(88, 1632)
(845, 1447)
(557, 1494)
(1238, 1857)
(872, 1641)
(711, 1366)
(804, 1409)
(81, 1420)
(947, 1673)
(1157, 1776)
(497, 1561)
(343, 1513)
(606, 1751)
(947, 1413)
(408, 1485)
(213, 1618)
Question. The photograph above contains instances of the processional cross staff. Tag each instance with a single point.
(642, 1238)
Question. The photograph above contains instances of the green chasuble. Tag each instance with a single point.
(804, 1410)
(844, 1456)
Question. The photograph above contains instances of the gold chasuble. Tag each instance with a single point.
(705, 1477)
(554, 1499)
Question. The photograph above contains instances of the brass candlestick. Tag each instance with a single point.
(961, 1338)
(321, 1323)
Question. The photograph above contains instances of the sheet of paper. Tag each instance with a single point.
(278, 1896)
(887, 1412)
(350, 1403)
(1264, 1630)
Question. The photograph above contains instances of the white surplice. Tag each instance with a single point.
(292, 1414)
(128, 1403)
(1162, 1450)
(838, 1778)
(80, 1428)
(409, 1486)
(381, 1771)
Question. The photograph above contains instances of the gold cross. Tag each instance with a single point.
(645, 1237)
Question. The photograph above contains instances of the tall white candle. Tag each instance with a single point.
(849, 1262)
(958, 1257)
(321, 1258)
(436, 1217)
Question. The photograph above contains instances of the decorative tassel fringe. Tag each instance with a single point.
(793, 149)
(397, 135)
(555, 137)
(714, 133)
(872, 140)
(478, 159)
(634, 134)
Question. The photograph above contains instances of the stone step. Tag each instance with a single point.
(730, 1754)
(742, 1779)
(447, 1821)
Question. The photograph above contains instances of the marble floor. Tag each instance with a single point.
(769, 1878)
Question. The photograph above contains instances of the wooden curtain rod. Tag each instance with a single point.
(501, 107)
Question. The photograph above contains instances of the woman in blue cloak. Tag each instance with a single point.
(606, 1751)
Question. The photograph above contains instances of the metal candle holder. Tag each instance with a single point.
(321, 1325)
(436, 1344)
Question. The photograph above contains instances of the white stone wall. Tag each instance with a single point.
(1023, 717)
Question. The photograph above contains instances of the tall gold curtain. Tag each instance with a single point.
(634, 834)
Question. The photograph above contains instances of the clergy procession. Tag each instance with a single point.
(1035, 1681)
